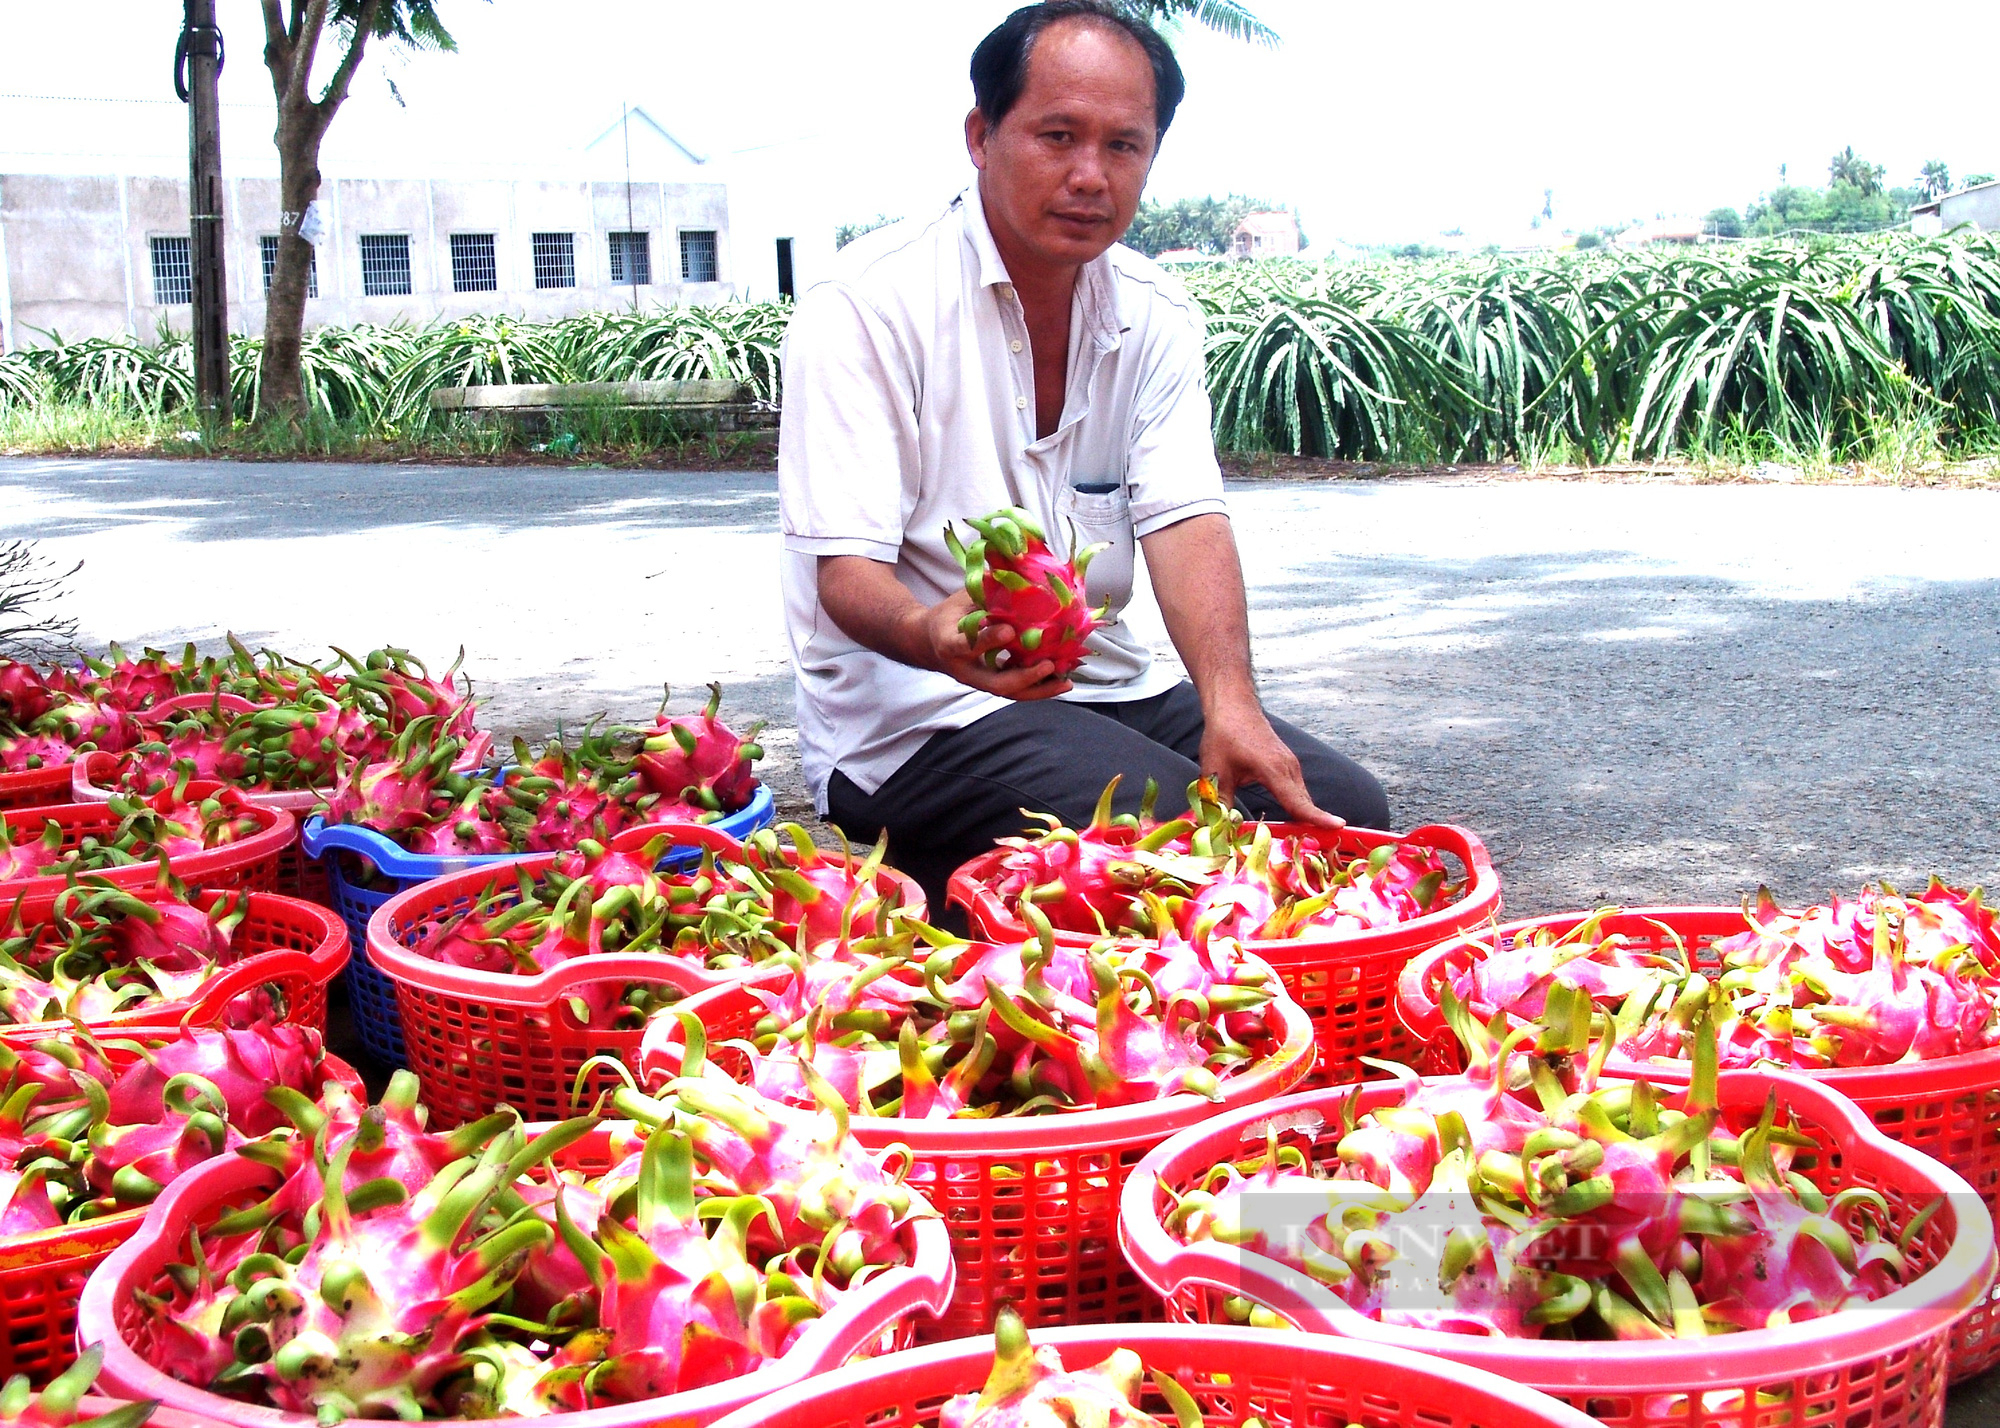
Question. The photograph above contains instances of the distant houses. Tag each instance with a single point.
(1265, 235)
(1978, 207)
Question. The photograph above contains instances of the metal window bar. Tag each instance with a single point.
(698, 255)
(555, 260)
(475, 267)
(385, 264)
(173, 272)
(631, 259)
(267, 251)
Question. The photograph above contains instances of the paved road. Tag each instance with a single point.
(1634, 693)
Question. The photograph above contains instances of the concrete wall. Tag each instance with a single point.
(1978, 206)
(78, 257)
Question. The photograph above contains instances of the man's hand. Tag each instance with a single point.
(964, 660)
(875, 609)
(1239, 746)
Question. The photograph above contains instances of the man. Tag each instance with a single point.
(1006, 353)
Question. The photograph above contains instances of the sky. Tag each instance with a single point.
(1378, 123)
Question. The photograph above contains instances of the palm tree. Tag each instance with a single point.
(1225, 17)
(1846, 168)
(1934, 179)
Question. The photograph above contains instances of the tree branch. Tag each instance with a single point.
(277, 45)
(336, 91)
(304, 51)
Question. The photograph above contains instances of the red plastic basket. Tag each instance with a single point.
(35, 788)
(1948, 1109)
(477, 1039)
(873, 1318)
(1231, 1373)
(250, 862)
(1031, 1200)
(1883, 1366)
(42, 1274)
(293, 946)
(1346, 984)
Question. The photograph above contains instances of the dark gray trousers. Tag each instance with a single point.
(966, 787)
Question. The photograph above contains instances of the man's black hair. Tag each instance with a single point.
(1000, 64)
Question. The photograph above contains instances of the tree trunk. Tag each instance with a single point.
(290, 46)
(280, 390)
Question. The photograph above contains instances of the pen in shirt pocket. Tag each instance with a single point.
(1095, 488)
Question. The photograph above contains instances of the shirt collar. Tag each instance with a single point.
(1094, 285)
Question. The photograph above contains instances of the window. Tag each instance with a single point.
(385, 264)
(785, 284)
(555, 260)
(173, 272)
(698, 255)
(267, 248)
(474, 268)
(631, 259)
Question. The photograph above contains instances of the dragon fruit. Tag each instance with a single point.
(59, 1404)
(1015, 580)
(698, 760)
(1030, 1386)
(23, 753)
(1095, 878)
(408, 692)
(25, 693)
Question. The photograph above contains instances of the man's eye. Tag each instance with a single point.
(1059, 136)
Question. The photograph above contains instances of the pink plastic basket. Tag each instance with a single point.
(35, 788)
(295, 947)
(1231, 1373)
(42, 1273)
(1031, 1200)
(250, 862)
(1948, 1109)
(1884, 1366)
(480, 1038)
(1346, 984)
(874, 1318)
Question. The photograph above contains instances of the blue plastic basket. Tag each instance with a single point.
(372, 995)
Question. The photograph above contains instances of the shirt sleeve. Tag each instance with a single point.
(847, 439)
(1171, 473)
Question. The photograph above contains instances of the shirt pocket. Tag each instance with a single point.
(1104, 518)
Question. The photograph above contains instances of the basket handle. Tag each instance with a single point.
(698, 835)
(854, 1326)
(240, 977)
(219, 700)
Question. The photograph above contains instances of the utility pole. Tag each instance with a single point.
(197, 65)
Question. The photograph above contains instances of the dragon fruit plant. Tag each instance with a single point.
(780, 899)
(920, 1025)
(1871, 981)
(1030, 1386)
(171, 824)
(1586, 1211)
(80, 1139)
(1017, 581)
(1211, 868)
(393, 1271)
(60, 1404)
(102, 951)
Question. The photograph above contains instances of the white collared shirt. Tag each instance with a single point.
(909, 403)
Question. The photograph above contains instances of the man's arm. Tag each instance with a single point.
(874, 608)
(1198, 581)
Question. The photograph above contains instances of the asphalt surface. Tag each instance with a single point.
(1634, 693)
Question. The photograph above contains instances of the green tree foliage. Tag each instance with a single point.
(1934, 179)
(1845, 168)
(1225, 17)
(1975, 180)
(1203, 224)
(1853, 201)
(1723, 223)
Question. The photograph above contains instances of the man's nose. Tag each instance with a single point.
(1087, 171)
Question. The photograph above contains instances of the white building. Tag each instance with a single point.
(1978, 207)
(634, 216)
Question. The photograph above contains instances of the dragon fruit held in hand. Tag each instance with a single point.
(1869, 981)
(1017, 581)
(394, 1272)
(1587, 1211)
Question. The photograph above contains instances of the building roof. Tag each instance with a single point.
(1937, 204)
(1271, 223)
(638, 116)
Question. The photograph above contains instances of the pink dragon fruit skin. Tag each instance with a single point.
(241, 1064)
(25, 695)
(24, 753)
(1015, 580)
(698, 760)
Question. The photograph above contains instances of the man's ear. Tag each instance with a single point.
(976, 131)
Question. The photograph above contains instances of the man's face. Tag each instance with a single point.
(1063, 172)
